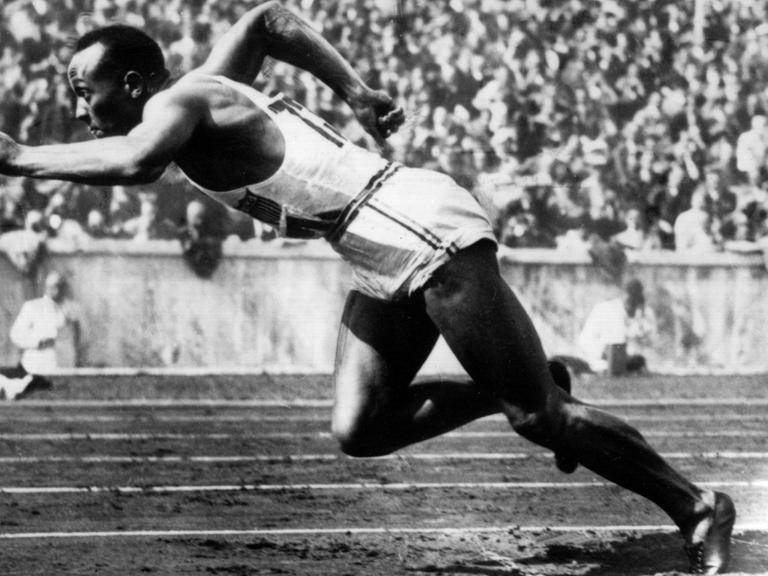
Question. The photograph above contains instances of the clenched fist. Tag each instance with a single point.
(377, 113)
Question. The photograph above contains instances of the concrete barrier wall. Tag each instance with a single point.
(278, 308)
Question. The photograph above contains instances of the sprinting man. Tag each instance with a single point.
(421, 248)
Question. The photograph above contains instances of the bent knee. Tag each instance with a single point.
(348, 436)
(358, 436)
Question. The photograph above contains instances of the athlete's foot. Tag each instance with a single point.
(709, 545)
(562, 378)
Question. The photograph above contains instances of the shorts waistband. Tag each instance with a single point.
(351, 210)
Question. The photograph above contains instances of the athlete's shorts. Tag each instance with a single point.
(403, 227)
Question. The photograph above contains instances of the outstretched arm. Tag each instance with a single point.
(272, 30)
(137, 158)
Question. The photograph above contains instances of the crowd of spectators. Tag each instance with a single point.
(635, 120)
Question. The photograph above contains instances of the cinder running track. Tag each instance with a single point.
(238, 474)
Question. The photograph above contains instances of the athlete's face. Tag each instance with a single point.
(104, 100)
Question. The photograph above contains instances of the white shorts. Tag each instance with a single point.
(403, 227)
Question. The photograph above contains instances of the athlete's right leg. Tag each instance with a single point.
(378, 408)
(494, 339)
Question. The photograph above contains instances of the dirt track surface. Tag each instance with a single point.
(228, 475)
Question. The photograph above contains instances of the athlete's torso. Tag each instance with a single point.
(274, 160)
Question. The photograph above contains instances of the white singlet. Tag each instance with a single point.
(321, 172)
(395, 225)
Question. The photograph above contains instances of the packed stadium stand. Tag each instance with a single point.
(573, 117)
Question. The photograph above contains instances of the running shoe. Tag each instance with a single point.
(711, 554)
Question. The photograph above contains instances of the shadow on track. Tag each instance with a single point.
(641, 555)
(588, 554)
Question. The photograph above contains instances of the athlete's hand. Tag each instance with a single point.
(377, 113)
(8, 150)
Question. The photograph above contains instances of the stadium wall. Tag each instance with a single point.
(277, 308)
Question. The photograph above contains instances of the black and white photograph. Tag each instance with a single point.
(384, 287)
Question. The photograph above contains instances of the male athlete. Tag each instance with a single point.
(421, 248)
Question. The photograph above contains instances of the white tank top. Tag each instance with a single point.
(321, 172)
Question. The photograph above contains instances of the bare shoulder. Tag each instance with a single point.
(191, 92)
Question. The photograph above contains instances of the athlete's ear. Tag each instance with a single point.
(135, 84)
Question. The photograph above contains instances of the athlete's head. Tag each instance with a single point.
(113, 73)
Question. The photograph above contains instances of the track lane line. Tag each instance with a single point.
(327, 403)
(128, 436)
(283, 458)
(373, 531)
(352, 486)
(326, 418)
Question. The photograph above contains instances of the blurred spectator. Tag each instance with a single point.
(201, 239)
(123, 207)
(751, 149)
(608, 256)
(147, 225)
(11, 217)
(755, 214)
(636, 236)
(721, 205)
(613, 328)
(521, 230)
(692, 227)
(96, 225)
(24, 248)
(202, 220)
(195, 221)
(575, 240)
(60, 214)
(39, 328)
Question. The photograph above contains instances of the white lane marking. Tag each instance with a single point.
(123, 436)
(326, 403)
(277, 370)
(373, 531)
(150, 418)
(326, 418)
(260, 371)
(279, 458)
(174, 403)
(342, 487)
(646, 433)
(170, 459)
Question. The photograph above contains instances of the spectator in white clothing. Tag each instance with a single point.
(611, 326)
(40, 325)
(692, 227)
(751, 149)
